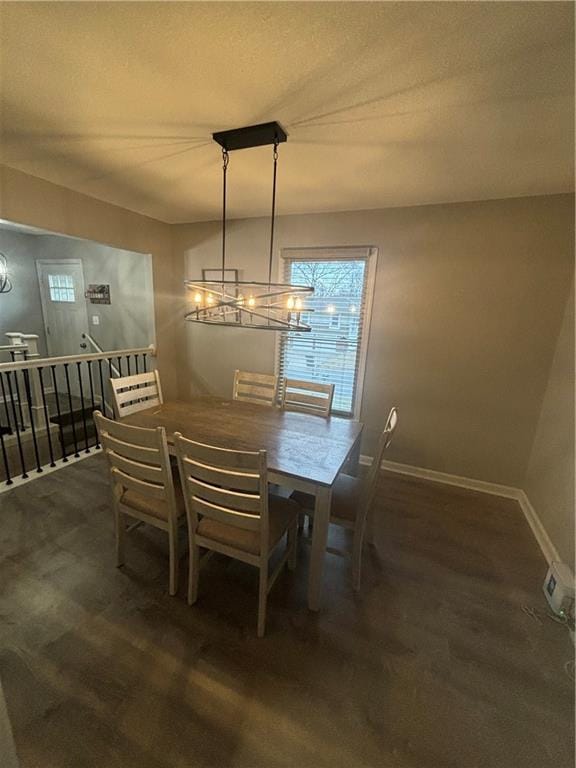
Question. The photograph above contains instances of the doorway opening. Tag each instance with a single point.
(72, 294)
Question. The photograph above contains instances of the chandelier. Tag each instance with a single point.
(5, 284)
(248, 304)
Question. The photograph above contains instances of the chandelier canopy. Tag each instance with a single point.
(249, 304)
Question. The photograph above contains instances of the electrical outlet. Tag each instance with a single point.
(95, 319)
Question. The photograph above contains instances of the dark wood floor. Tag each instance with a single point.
(434, 665)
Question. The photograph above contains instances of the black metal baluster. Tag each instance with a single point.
(17, 388)
(46, 418)
(60, 425)
(119, 365)
(18, 440)
(136, 361)
(128, 364)
(103, 403)
(111, 376)
(79, 366)
(28, 390)
(144, 358)
(5, 399)
(97, 444)
(72, 419)
(5, 457)
(4, 451)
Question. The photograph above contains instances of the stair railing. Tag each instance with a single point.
(97, 348)
(61, 427)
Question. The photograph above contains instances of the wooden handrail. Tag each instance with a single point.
(45, 362)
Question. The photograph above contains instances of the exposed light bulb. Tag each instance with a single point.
(331, 309)
(290, 302)
(209, 299)
(251, 301)
(352, 308)
(298, 305)
(197, 298)
(240, 300)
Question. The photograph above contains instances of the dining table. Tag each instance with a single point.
(305, 452)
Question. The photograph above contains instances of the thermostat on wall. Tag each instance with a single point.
(559, 589)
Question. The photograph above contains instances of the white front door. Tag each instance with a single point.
(63, 305)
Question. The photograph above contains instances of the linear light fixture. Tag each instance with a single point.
(249, 304)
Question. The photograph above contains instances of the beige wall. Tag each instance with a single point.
(28, 200)
(468, 305)
(549, 480)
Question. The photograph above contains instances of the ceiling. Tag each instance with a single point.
(385, 104)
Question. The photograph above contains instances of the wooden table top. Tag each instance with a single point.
(298, 445)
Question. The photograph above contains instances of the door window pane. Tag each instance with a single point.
(61, 288)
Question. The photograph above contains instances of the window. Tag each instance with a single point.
(61, 288)
(333, 351)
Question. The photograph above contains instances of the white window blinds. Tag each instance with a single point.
(332, 352)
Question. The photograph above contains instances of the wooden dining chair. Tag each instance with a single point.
(307, 397)
(135, 393)
(230, 511)
(352, 497)
(259, 388)
(142, 483)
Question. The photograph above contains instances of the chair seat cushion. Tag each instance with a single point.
(346, 495)
(281, 513)
(151, 506)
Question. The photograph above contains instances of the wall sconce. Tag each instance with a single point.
(5, 284)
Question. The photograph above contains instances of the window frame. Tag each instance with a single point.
(345, 252)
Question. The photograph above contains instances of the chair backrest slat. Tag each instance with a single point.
(147, 438)
(141, 453)
(224, 458)
(130, 483)
(224, 485)
(228, 478)
(136, 380)
(149, 392)
(307, 397)
(259, 388)
(228, 516)
(239, 501)
(147, 472)
(134, 393)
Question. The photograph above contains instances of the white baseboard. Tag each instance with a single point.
(548, 549)
(506, 491)
(472, 484)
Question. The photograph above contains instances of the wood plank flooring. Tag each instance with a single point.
(434, 665)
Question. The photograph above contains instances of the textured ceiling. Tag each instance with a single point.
(386, 104)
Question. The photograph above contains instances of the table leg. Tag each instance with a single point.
(319, 541)
(353, 464)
